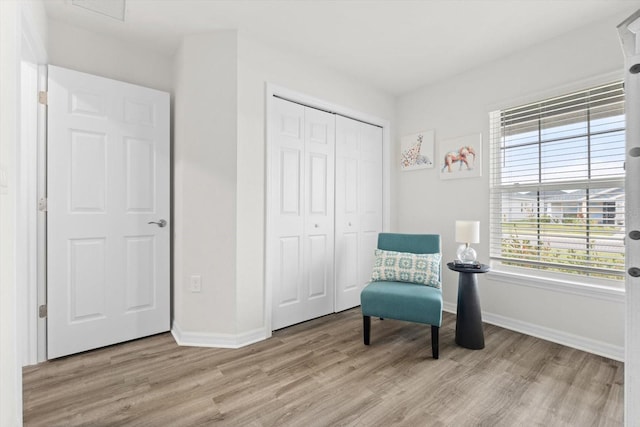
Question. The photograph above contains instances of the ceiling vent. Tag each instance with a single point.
(111, 8)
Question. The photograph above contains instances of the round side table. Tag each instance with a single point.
(469, 332)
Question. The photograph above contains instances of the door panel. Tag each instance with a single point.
(370, 218)
(348, 205)
(301, 214)
(140, 273)
(319, 130)
(318, 196)
(349, 174)
(318, 275)
(288, 271)
(87, 259)
(140, 175)
(88, 157)
(139, 112)
(358, 206)
(290, 183)
(347, 253)
(285, 247)
(108, 177)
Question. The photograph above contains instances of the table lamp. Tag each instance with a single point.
(467, 232)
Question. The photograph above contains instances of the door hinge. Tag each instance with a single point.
(42, 97)
(42, 204)
(42, 311)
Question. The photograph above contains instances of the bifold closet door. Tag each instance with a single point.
(358, 207)
(301, 205)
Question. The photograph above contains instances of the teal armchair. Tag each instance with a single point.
(409, 302)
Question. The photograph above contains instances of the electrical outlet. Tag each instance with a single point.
(195, 283)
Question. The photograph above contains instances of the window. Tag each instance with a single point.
(557, 184)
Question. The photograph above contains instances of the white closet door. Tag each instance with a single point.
(301, 213)
(358, 207)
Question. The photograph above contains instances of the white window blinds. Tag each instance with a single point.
(557, 184)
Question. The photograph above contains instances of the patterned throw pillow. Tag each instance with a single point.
(393, 266)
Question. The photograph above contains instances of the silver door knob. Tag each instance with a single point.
(160, 223)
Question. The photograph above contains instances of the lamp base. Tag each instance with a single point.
(466, 254)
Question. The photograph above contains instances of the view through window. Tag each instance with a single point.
(557, 184)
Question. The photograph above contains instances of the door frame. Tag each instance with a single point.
(628, 32)
(272, 90)
(31, 182)
(41, 226)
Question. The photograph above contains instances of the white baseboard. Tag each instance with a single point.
(203, 339)
(200, 339)
(564, 338)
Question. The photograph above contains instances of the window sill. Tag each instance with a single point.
(603, 292)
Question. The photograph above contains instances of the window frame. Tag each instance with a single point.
(499, 263)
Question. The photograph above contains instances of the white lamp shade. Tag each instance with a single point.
(468, 231)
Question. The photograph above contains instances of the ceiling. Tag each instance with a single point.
(394, 45)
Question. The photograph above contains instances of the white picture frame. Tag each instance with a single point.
(461, 157)
(417, 151)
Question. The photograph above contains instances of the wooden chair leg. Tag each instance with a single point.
(366, 323)
(435, 332)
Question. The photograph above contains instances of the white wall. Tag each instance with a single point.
(205, 118)
(460, 106)
(220, 175)
(10, 373)
(19, 21)
(257, 65)
(81, 50)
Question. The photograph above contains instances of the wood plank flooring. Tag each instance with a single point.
(319, 373)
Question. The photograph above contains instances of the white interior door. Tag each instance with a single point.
(358, 207)
(108, 178)
(300, 252)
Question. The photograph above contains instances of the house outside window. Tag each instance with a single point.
(557, 185)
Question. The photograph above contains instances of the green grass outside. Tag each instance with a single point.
(520, 246)
(567, 228)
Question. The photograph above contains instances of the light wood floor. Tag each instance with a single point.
(319, 373)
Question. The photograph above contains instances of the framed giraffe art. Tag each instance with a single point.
(417, 151)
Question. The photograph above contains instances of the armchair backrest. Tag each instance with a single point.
(412, 243)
